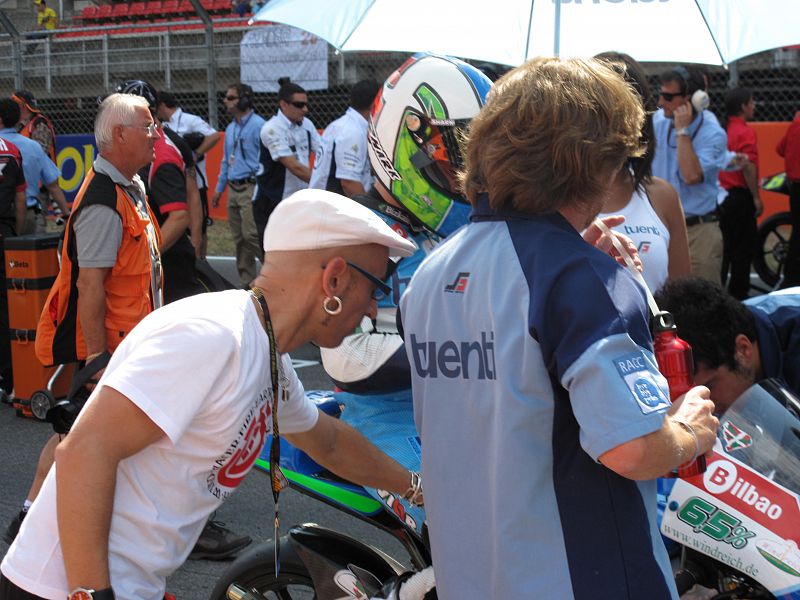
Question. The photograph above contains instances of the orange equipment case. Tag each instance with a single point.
(31, 269)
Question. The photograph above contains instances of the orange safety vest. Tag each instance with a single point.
(59, 338)
(28, 128)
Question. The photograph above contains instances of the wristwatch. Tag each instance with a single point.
(81, 593)
(682, 131)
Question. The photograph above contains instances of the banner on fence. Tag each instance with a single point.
(269, 53)
(74, 156)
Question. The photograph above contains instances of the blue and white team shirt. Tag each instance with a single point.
(281, 138)
(531, 357)
(343, 154)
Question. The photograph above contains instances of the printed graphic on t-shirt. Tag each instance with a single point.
(230, 469)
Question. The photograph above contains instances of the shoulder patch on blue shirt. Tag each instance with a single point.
(641, 382)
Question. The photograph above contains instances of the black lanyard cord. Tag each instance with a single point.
(277, 479)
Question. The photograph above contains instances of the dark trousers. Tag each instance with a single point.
(738, 224)
(791, 270)
(9, 591)
(262, 209)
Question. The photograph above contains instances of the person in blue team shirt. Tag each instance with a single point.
(237, 171)
(542, 414)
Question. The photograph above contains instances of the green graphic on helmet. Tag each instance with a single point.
(424, 200)
(431, 103)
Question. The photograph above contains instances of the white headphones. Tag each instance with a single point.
(699, 98)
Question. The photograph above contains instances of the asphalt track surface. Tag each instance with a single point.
(249, 511)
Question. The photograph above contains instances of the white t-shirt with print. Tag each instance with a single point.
(200, 369)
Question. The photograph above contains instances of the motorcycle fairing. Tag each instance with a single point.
(719, 522)
(330, 558)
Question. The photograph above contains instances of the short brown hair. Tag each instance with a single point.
(552, 134)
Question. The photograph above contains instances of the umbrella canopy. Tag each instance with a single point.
(512, 31)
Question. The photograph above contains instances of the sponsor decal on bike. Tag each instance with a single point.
(397, 507)
(706, 518)
(723, 480)
(641, 381)
(350, 584)
(784, 555)
(735, 438)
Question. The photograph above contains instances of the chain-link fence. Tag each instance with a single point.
(69, 70)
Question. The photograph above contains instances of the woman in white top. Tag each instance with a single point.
(653, 214)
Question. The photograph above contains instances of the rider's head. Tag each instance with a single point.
(139, 87)
(722, 334)
(414, 136)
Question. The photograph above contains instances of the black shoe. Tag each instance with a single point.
(13, 528)
(218, 543)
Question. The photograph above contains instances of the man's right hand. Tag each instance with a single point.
(215, 199)
(695, 408)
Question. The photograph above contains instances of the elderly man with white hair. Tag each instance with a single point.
(161, 444)
(110, 276)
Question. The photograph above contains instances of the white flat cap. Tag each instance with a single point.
(314, 219)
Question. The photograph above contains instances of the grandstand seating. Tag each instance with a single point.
(156, 14)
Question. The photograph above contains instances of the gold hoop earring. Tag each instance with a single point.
(337, 305)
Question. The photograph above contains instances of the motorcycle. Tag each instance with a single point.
(739, 522)
(317, 562)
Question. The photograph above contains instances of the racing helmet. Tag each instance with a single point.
(413, 136)
(139, 87)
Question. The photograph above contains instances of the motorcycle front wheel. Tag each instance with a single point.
(254, 570)
(771, 247)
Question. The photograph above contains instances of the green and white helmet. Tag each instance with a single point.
(413, 136)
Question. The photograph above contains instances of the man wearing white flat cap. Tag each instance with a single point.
(189, 435)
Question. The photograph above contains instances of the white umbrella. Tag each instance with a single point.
(511, 31)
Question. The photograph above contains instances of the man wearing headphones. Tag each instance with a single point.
(238, 171)
(690, 151)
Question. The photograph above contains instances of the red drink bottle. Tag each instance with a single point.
(674, 358)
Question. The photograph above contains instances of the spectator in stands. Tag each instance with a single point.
(39, 169)
(110, 275)
(287, 141)
(201, 137)
(237, 171)
(46, 20)
(742, 204)
(241, 7)
(342, 165)
(789, 149)
(12, 219)
(690, 151)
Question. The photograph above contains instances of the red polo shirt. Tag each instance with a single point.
(741, 138)
(789, 149)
